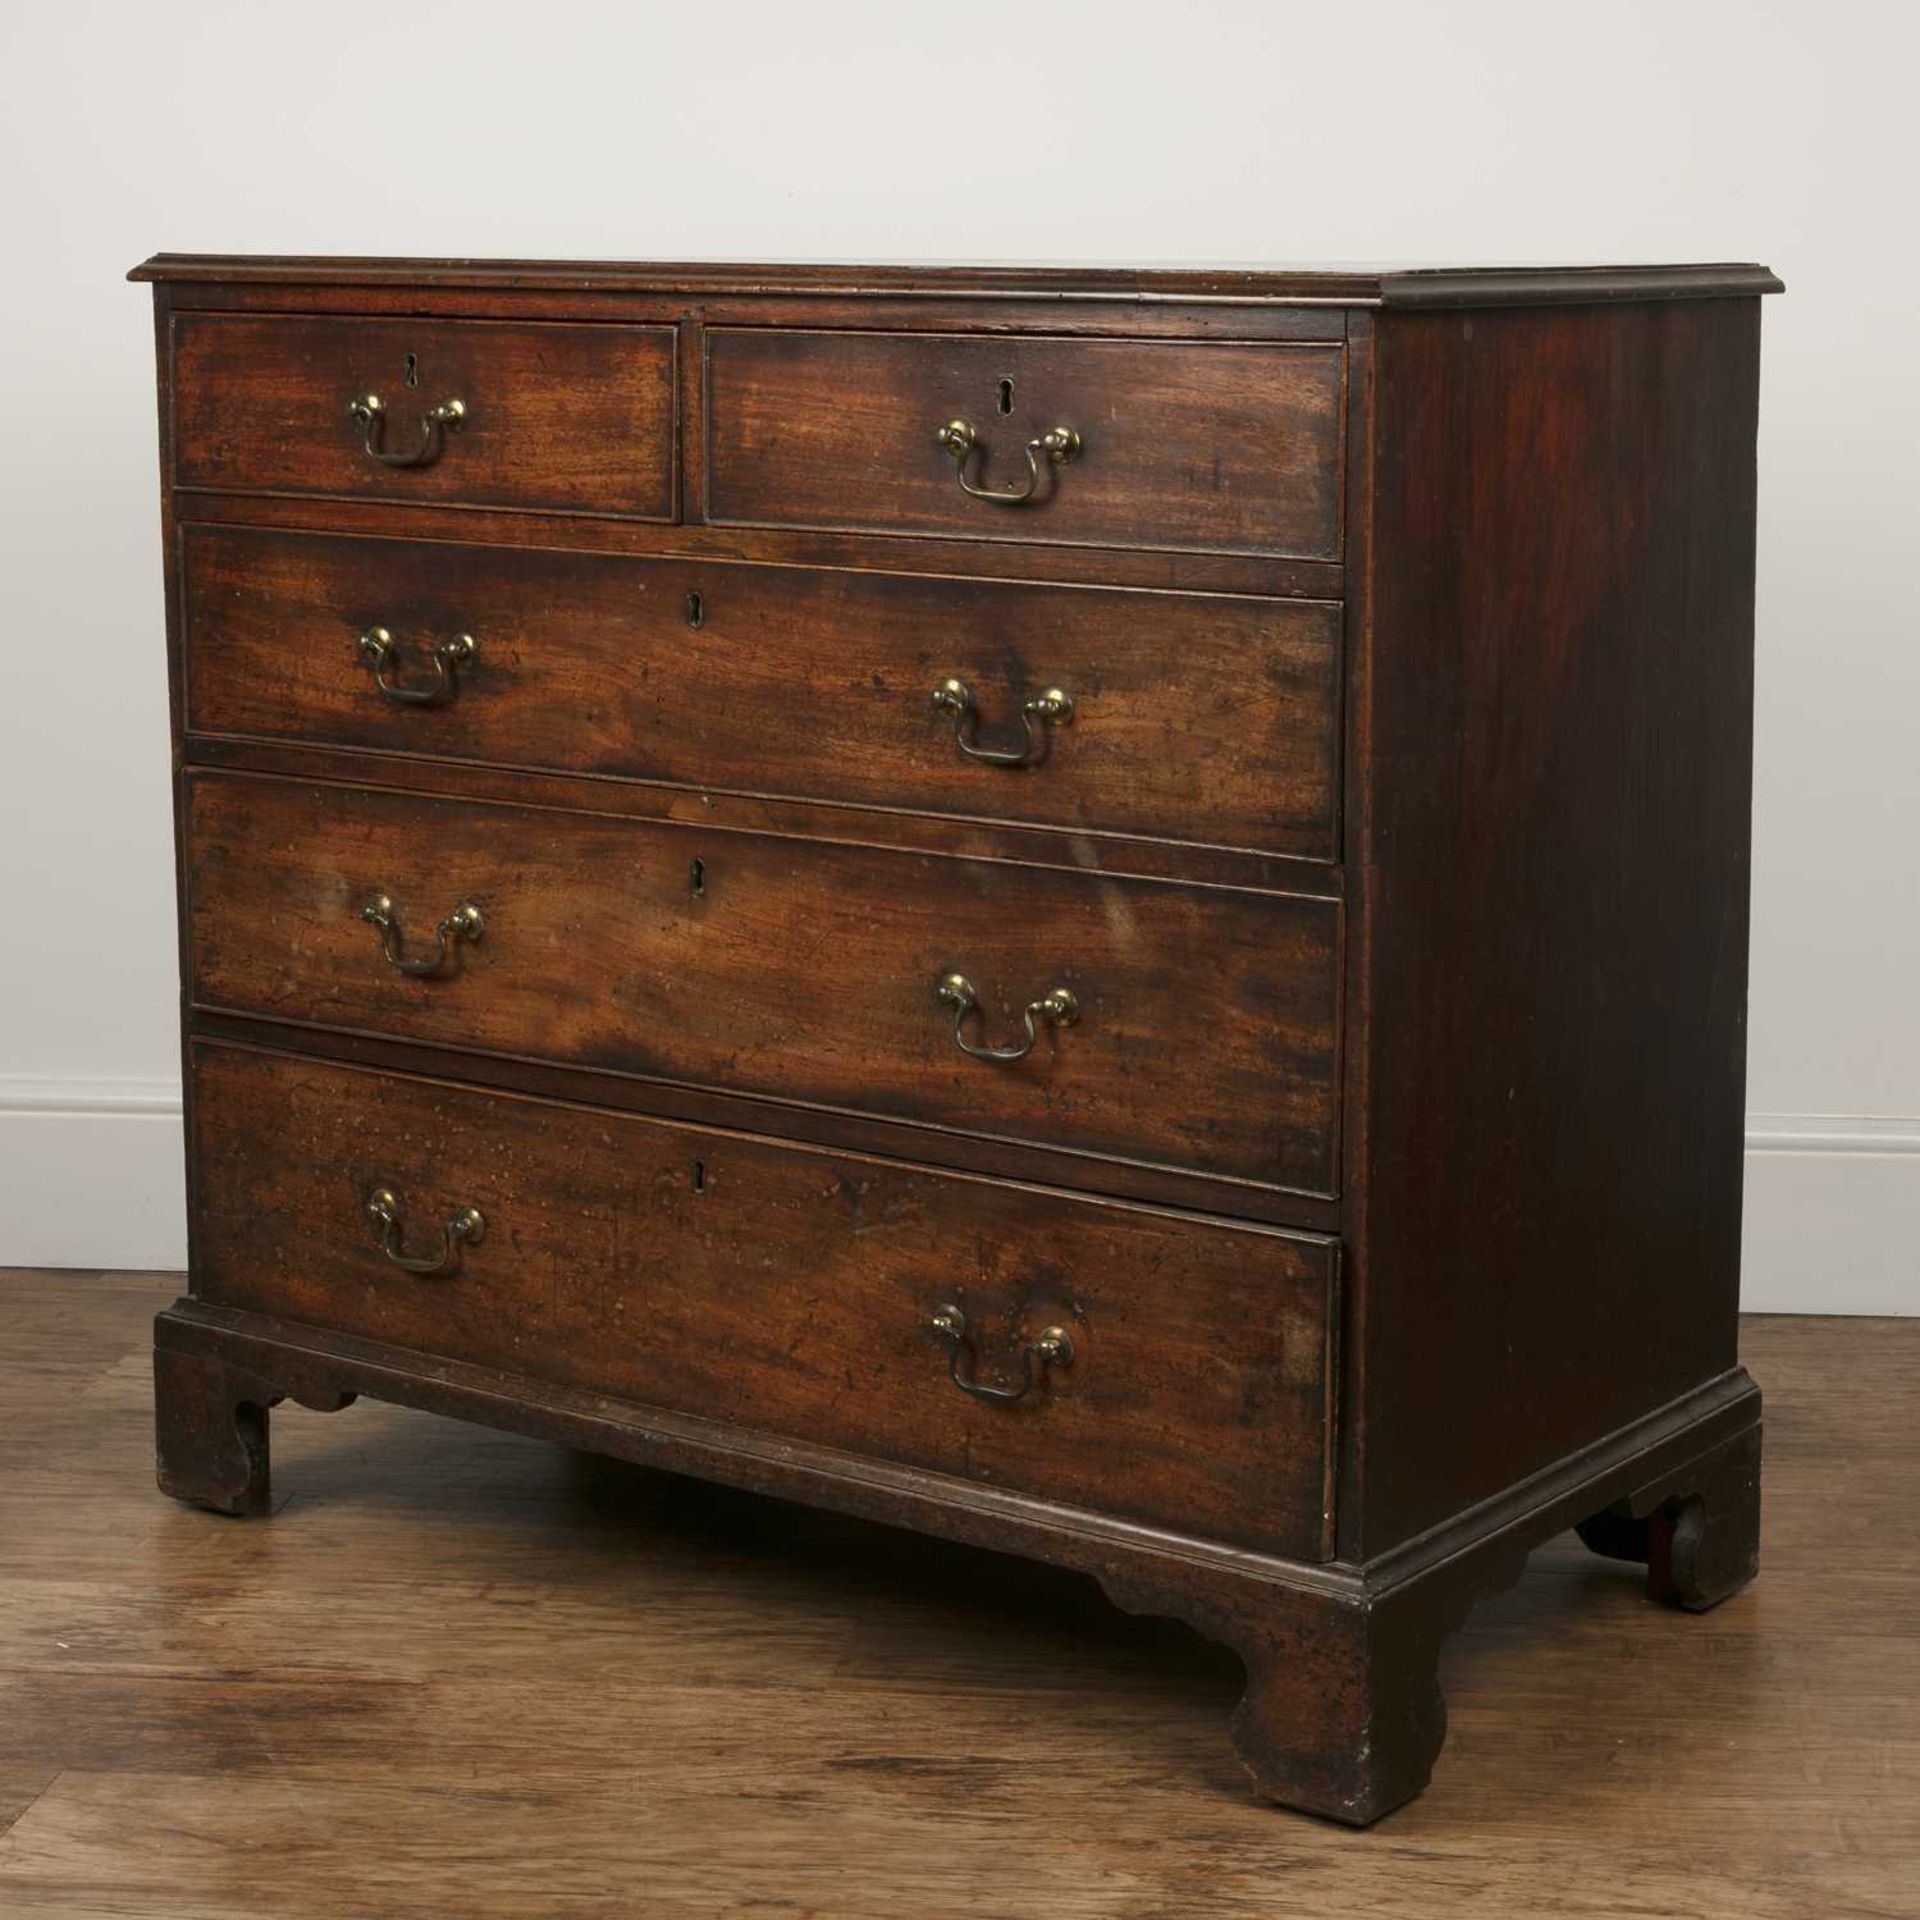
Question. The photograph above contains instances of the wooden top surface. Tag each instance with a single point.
(1339, 286)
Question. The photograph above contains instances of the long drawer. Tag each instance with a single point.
(1171, 1369)
(1185, 716)
(1189, 446)
(535, 415)
(1184, 1026)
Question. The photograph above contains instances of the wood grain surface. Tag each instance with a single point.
(787, 1291)
(1207, 1018)
(1220, 448)
(567, 418)
(1552, 854)
(1129, 293)
(463, 1673)
(1195, 717)
(1498, 1054)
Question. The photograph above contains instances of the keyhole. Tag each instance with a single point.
(413, 373)
(696, 610)
(1006, 396)
(697, 878)
(699, 1176)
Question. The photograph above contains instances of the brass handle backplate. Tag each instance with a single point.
(1052, 707)
(1055, 1009)
(378, 650)
(371, 411)
(468, 1226)
(1052, 1349)
(1058, 445)
(463, 925)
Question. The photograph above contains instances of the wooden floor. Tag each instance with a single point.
(463, 1674)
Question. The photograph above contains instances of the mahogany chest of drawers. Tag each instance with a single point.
(1100, 913)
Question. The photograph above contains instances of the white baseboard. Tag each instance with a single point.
(90, 1176)
(1833, 1214)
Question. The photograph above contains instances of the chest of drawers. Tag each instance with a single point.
(1099, 913)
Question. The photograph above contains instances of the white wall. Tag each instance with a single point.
(1044, 130)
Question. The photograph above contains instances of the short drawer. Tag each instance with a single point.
(1184, 1026)
(1202, 447)
(1167, 1368)
(571, 419)
(1188, 717)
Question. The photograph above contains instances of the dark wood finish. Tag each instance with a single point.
(1206, 1034)
(1431, 955)
(789, 819)
(1555, 878)
(1231, 449)
(726, 1700)
(1700, 1541)
(1192, 716)
(213, 1447)
(1199, 318)
(902, 1139)
(1437, 287)
(705, 279)
(628, 1257)
(1214, 573)
(1342, 1714)
(559, 418)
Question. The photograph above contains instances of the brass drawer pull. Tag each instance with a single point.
(956, 697)
(1059, 444)
(1056, 1009)
(383, 1210)
(462, 925)
(371, 411)
(1052, 1349)
(377, 649)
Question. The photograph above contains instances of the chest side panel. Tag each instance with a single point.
(1553, 856)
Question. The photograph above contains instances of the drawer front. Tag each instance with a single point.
(556, 418)
(783, 1289)
(1191, 717)
(1205, 1029)
(1203, 448)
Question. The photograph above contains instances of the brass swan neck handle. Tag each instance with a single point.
(1058, 446)
(371, 411)
(379, 650)
(463, 925)
(1051, 708)
(1056, 1008)
(1052, 1349)
(467, 1226)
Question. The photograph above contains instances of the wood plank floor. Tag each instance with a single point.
(463, 1674)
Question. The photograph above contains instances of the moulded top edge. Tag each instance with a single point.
(1257, 285)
